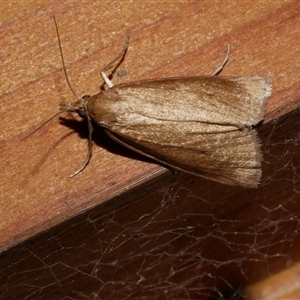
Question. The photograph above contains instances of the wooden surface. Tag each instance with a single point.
(167, 39)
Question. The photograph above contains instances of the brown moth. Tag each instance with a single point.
(201, 125)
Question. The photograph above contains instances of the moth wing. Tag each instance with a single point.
(226, 155)
(238, 101)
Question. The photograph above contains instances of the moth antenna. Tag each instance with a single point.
(68, 82)
(43, 124)
(111, 64)
(63, 60)
(221, 66)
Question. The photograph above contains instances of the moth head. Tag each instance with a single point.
(80, 106)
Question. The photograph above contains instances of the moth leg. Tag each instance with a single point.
(89, 154)
(106, 80)
(111, 64)
(221, 66)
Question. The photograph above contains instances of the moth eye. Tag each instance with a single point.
(81, 112)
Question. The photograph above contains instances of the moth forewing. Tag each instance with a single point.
(202, 164)
(214, 100)
(199, 124)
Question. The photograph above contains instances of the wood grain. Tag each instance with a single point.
(167, 39)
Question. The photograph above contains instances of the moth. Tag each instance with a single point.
(201, 125)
